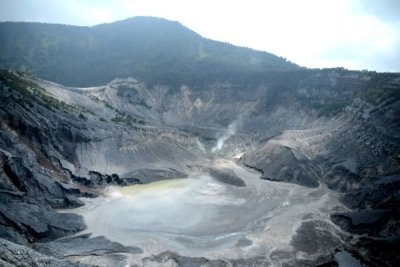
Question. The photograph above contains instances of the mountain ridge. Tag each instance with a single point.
(151, 49)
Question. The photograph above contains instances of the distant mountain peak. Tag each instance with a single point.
(151, 49)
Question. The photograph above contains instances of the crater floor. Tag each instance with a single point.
(200, 216)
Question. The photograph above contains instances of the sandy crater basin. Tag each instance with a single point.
(200, 216)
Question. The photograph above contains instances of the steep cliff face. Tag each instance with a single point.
(308, 127)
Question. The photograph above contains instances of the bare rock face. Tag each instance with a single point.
(281, 163)
(83, 246)
(145, 176)
(29, 195)
(313, 238)
(226, 176)
(17, 255)
(310, 128)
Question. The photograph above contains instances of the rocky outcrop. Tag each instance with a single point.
(145, 176)
(12, 254)
(173, 259)
(226, 176)
(83, 246)
(281, 163)
(29, 194)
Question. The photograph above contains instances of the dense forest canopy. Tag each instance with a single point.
(150, 49)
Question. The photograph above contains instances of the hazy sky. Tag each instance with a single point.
(356, 34)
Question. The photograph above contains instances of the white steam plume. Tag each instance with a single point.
(200, 145)
(232, 128)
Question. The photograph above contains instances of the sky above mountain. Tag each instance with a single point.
(355, 34)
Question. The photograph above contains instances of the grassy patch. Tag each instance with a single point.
(30, 91)
(128, 119)
(382, 95)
